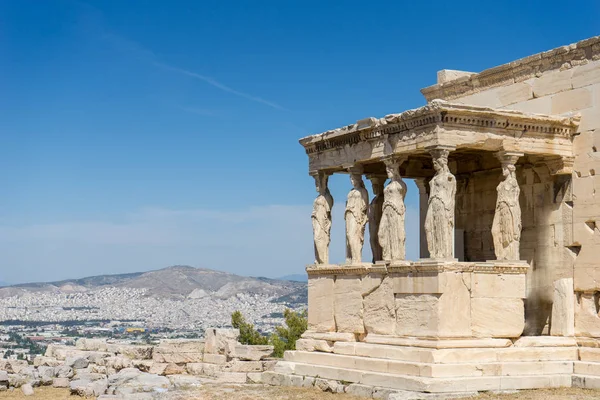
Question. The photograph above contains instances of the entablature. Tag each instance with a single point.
(460, 127)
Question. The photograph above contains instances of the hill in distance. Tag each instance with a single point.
(295, 278)
(173, 282)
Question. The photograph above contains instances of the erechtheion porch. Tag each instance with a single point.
(491, 304)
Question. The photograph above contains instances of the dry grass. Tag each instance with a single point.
(545, 394)
(42, 393)
(257, 392)
(251, 392)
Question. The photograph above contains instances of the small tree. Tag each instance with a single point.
(285, 339)
(248, 335)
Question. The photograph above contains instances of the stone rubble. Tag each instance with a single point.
(97, 368)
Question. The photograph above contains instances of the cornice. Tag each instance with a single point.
(579, 53)
(423, 266)
(445, 114)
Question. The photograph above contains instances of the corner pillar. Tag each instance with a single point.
(321, 217)
(423, 186)
(374, 214)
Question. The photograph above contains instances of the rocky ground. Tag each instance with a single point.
(95, 367)
(260, 392)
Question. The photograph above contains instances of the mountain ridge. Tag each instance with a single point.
(177, 281)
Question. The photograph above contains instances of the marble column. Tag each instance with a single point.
(439, 222)
(392, 233)
(355, 215)
(423, 186)
(321, 218)
(374, 213)
(506, 226)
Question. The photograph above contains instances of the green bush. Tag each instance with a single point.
(248, 335)
(284, 338)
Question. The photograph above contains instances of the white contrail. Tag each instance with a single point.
(218, 85)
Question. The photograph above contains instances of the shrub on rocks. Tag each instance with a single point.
(285, 337)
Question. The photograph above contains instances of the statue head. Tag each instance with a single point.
(377, 183)
(321, 180)
(508, 169)
(356, 180)
(440, 160)
(392, 167)
(508, 160)
(392, 171)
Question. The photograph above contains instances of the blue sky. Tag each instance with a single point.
(141, 134)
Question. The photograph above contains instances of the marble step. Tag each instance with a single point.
(458, 355)
(432, 370)
(586, 381)
(419, 383)
(589, 354)
(586, 368)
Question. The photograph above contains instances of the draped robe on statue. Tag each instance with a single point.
(439, 222)
(392, 235)
(356, 221)
(506, 227)
(321, 222)
(375, 213)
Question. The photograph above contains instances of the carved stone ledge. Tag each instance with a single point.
(335, 269)
(561, 166)
(516, 71)
(440, 123)
(502, 267)
(424, 265)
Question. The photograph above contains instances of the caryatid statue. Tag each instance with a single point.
(375, 211)
(506, 227)
(321, 219)
(392, 234)
(439, 222)
(356, 217)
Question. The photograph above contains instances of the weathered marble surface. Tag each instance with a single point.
(506, 227)
(375, 212)
(321, 219)
(439, 223)
(356, 219)
(392, 234)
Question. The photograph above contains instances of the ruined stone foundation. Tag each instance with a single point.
(429, 327)
(506, 162)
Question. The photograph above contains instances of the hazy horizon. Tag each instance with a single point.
(142, 135)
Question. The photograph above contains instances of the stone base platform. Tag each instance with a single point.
(586, 371)
(440, 366)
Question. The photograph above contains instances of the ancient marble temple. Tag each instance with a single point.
(505, 292)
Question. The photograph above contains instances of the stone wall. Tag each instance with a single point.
(563, 80)
(447, 300)
(543, 240)
(95, 367)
